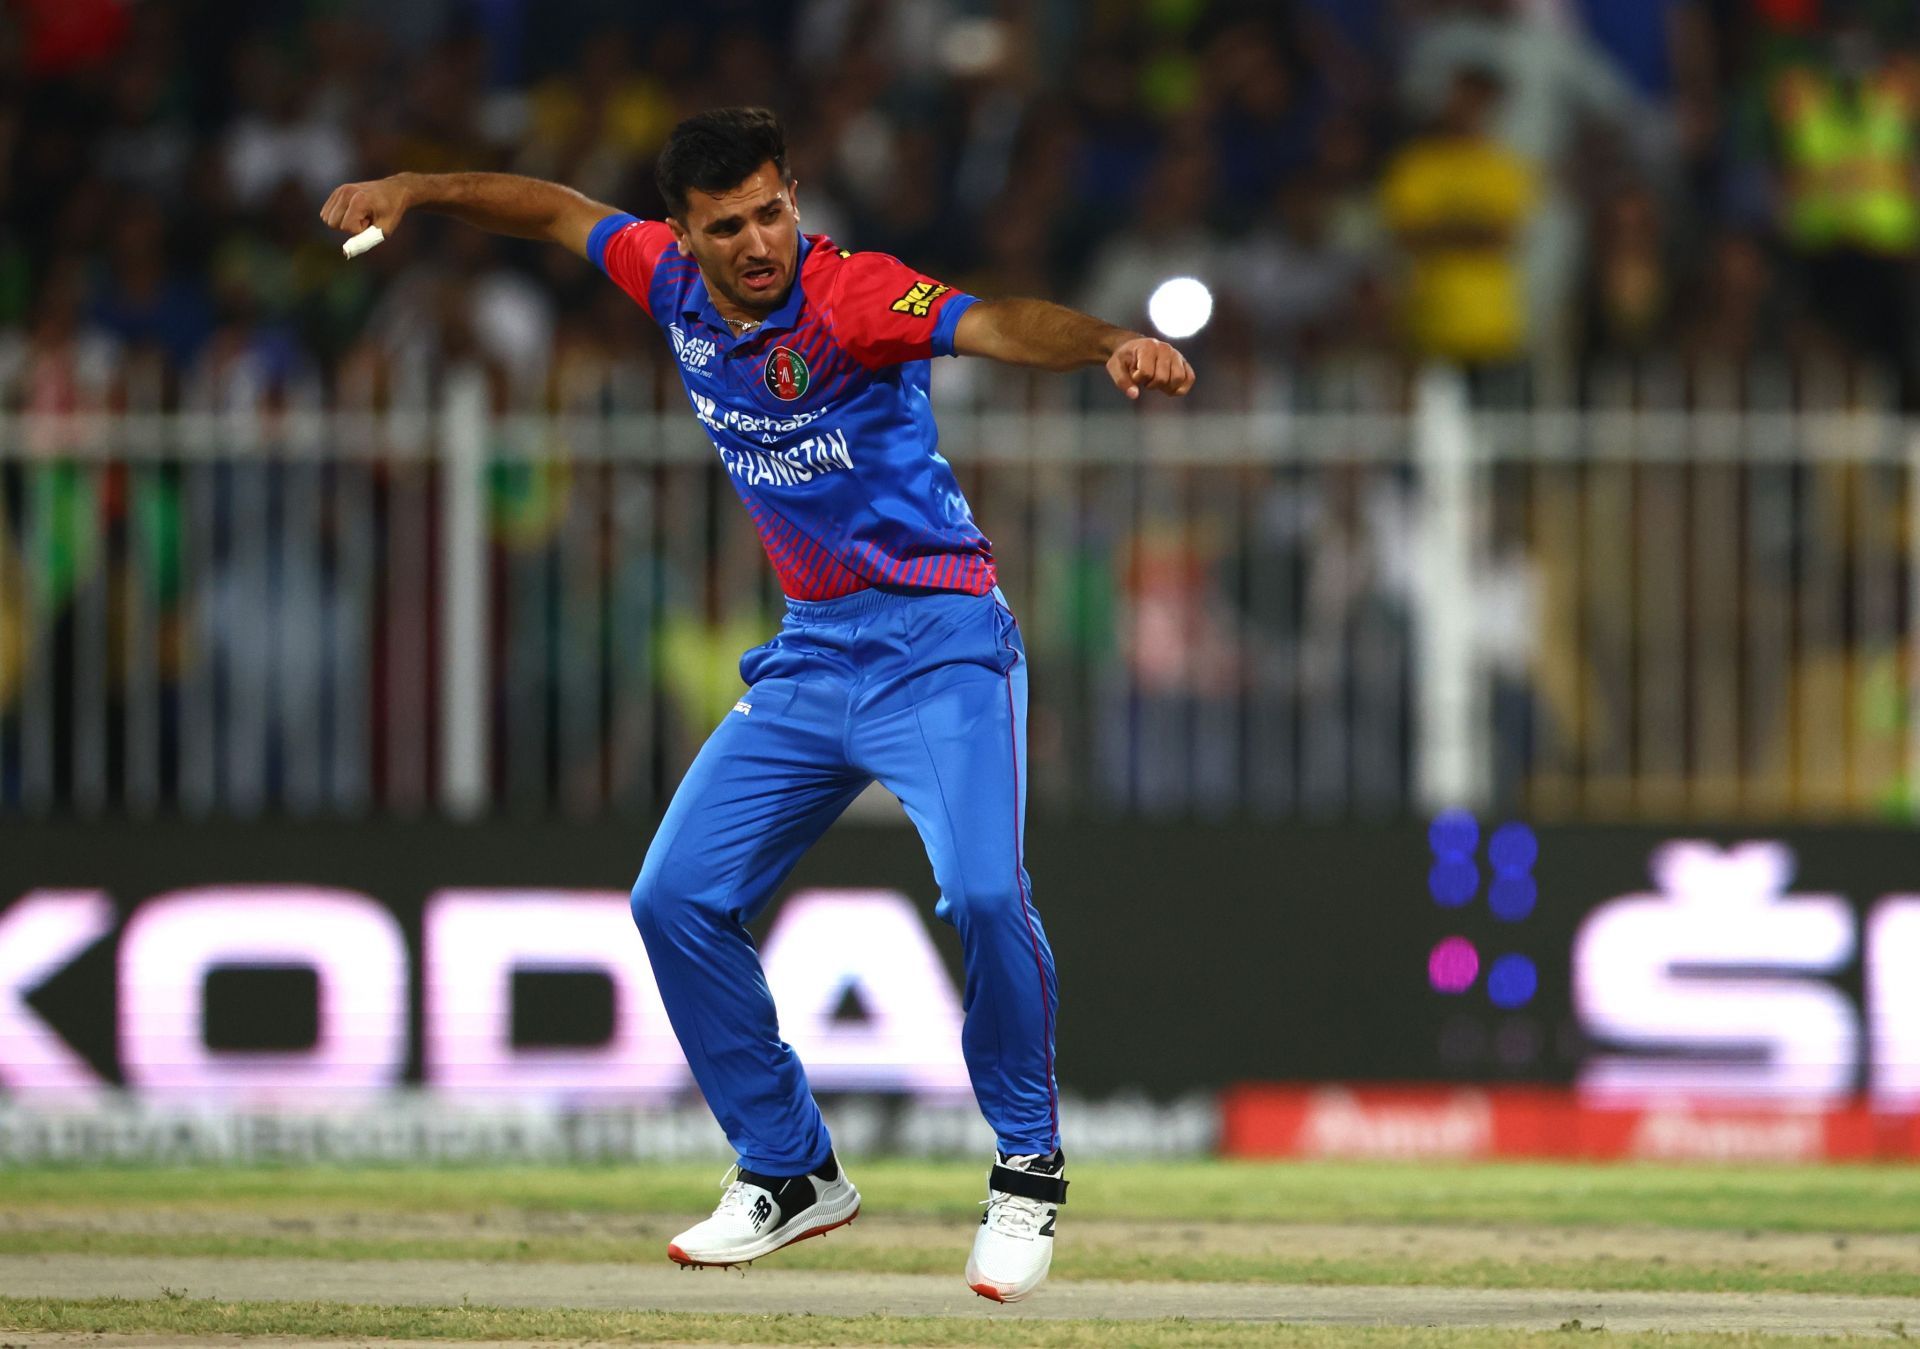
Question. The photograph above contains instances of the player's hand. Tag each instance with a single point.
(354, 206)
(1148, 363)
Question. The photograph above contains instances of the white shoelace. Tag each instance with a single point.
(734, 1197)
(1013, 1215)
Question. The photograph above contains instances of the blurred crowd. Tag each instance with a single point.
(1532, 189)
(1604, 202)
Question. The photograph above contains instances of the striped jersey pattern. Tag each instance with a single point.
(821, 415)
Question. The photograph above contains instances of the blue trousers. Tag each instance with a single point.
(927, 694)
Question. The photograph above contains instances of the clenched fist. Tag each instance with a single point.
(1148, 363)
(354, 206)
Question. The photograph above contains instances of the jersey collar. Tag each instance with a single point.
(779, 320)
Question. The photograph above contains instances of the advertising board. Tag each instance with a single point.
(273, 966)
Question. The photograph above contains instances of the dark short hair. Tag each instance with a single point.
(1480, 78)
(716, 150)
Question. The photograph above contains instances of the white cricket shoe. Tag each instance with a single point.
(1014, 1246)
(760, 1214)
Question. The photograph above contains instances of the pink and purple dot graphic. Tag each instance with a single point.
(1453, 965)
(1454, 881)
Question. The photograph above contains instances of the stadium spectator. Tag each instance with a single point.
(1257, 134)
(440, 121)
(1355, 46)
(511, 313)
(1630, 305)
(62, 37)
(251, 361)
(1291, 273)
(912, 217)
(1737, 316)
(141, 300)
(589, 125)
(1849, 133)
(1554, 83)
(1330, 573)
(1346, 172)
(1179, 647)
(64, 363)
(1460, 202)
(277, 134)
(1551, 77)
(1167, 235)
(1265, 115)
(148, 144)
(1719, 192)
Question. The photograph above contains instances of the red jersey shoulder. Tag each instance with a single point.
(880, 310)
(633, 255)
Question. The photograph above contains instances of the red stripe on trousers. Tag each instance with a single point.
(1026, 913)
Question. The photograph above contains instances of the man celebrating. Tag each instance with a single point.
(897, 659)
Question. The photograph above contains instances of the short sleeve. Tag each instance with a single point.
(883, 312)
(627, 248)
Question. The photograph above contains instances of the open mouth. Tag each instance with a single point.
(760, 278)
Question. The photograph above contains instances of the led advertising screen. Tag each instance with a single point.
(280, 962)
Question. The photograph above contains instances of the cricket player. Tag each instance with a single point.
(897, 659)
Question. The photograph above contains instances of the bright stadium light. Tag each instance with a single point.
(1180, 306)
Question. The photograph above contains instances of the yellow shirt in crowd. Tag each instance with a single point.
(1461, 204)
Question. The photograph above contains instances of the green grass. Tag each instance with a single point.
(1163, 1264)
(503, 1214)
(925, 1213)
(1782, 1199)
(322, 1320)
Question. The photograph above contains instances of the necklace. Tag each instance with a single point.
(743, 326)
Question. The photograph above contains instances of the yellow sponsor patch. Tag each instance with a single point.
(919, 300)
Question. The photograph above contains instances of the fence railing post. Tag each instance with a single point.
(1451, 751)
(464, 643)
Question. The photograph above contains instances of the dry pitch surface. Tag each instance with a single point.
(1208, 1254)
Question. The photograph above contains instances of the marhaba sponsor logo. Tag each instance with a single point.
(1680, 1134)
(769, 429)
(693, 352)
(1340, 1124)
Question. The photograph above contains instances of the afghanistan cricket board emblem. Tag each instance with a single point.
(785, 374)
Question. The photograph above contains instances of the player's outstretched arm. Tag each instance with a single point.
(503, 203)
(1053, 337)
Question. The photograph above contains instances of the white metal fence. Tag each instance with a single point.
(1279, 614)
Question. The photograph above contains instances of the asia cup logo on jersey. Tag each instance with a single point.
(693, 352)
(785, 374)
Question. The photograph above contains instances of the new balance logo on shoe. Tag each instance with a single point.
(759, 1214)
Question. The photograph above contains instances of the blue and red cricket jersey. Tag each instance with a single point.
(821, 413)
(896, 662)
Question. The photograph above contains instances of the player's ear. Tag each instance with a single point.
(793, 196)
(679, 236)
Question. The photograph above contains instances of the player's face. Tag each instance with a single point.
(746, 240)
